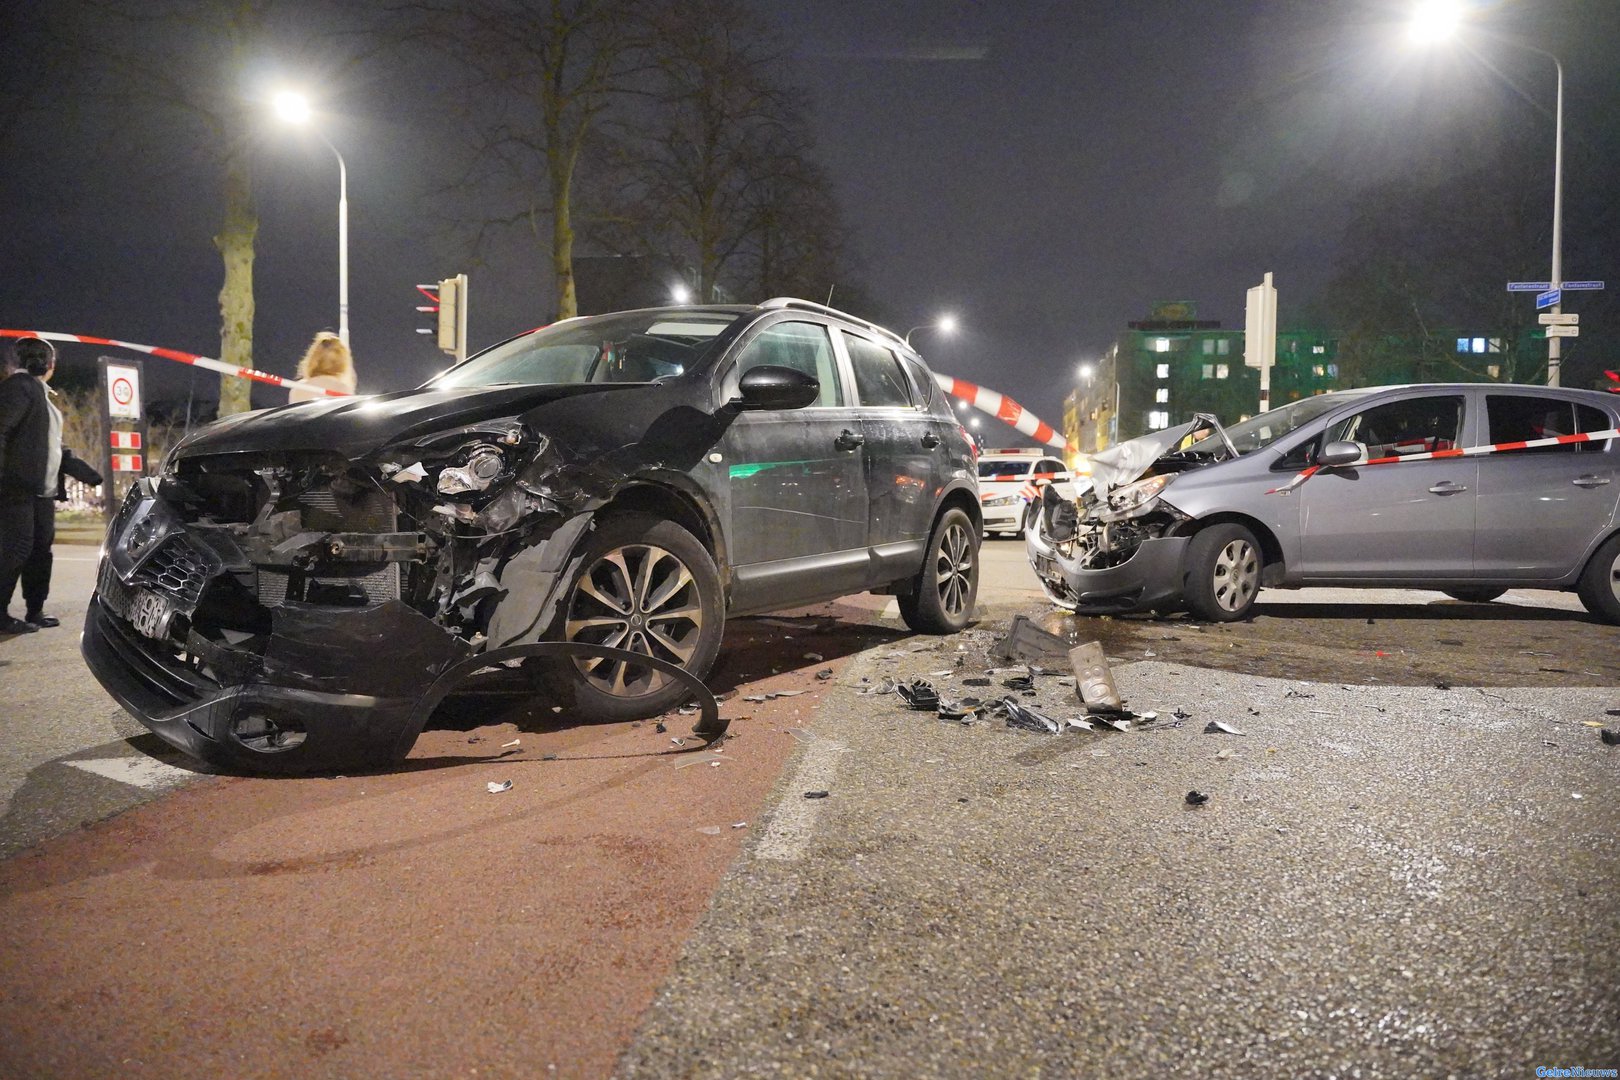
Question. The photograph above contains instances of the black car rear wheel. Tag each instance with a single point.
(1599, 588)
(1223, 573)
(941, 600)
(648, 586)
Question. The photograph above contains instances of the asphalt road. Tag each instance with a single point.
(1389, 878)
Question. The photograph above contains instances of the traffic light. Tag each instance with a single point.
(448, 305)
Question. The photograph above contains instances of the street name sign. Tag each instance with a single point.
(1564, 330)
(1567, 318)
(1529, 286)
(1548, 298)
(1582, 285)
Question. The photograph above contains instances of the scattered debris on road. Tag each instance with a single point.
(1610, 737)
(1196, 798)
(816, 794)
(498, 786)
(1093, 681)
(1217, 727)
(919, 694)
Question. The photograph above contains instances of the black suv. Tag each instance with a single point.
(296, 582)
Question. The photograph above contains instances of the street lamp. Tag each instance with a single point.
(1437, 20)
(1086, 371)
(945, 324)
(681, 294)
(294, 109)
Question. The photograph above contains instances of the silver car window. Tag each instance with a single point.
(1522, 417)
(1415, 425)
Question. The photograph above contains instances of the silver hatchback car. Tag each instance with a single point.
(1423, 486)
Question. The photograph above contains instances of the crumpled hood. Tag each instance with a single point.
(358, 426)
(1124, 462)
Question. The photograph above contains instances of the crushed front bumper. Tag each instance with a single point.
(324, 716)
(1149, 580)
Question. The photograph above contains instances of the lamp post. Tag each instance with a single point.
(945, 324)
(1437, 20)
(294, 109)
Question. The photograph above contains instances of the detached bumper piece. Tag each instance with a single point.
(280, 720)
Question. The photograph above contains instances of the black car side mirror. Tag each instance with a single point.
(1341, 453)
(769, 387)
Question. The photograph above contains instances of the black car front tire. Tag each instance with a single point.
(943, 592)
(1223, 573)
(644, 584)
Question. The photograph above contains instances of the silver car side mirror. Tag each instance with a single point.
(1341, 453)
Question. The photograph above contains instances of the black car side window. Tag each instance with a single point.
(878, 378)
(798, 345)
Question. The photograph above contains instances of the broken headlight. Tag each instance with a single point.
(1135, 496)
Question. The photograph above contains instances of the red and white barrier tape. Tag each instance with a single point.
(182, 357)
(1462, 451)
(1003, 408)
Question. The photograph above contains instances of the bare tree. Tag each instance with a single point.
(540, 76)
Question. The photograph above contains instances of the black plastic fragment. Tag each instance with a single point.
(1026, 641)
(1196, 798)
(976, 682)
(1610, 737)
(919, 694)
(815, 794)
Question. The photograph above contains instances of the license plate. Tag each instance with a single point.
(151, 614)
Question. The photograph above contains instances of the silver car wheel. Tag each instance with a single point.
(953, 570)
(1237, 574)
(641, 598)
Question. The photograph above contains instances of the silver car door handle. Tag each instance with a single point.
(1590, 481)
(1446, 487)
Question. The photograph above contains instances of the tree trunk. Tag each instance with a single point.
(235, 244)
(562, 236)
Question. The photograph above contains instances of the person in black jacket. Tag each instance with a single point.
(30, 458)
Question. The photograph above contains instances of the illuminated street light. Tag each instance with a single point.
(1437, 20)
(681, 294)
(294, 109)
(1086, 371)
(1434, 20)
(945, 324)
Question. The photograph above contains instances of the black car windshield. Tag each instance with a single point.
(1261, 431)
(640, 346)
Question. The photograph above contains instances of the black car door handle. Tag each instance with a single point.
(848, 440)
(929, 440)
(1590, 481)
(1446, 487)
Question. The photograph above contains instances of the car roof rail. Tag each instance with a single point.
(779, 303)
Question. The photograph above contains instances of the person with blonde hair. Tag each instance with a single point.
(327, 362)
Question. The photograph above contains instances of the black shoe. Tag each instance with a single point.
(44, 621)
(8, 625)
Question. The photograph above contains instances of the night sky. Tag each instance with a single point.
(1044, 170)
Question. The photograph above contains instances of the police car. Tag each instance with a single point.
(1008, 484)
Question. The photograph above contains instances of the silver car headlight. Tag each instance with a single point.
(1137, 495)
(1002, 500)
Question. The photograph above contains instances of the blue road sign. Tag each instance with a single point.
(1528, 286)
(1548, 298)
(1582, 285)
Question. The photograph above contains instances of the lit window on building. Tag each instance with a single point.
(1224, 347)
(1162, 371)
(1319, 349)
(1494, 370)
(1161, 344)
(1209, 346)
(1158, 420)
(1162, 395)
(1319, 370)
(1209, 371)
(1222, 371)
(1496, 344)
(1333, 371)
(1479, 345)
(1462, 344)
(1242, 418)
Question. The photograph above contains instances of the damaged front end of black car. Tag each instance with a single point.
(291, 609)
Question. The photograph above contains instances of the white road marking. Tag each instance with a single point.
(141, 772)
(788, 835)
